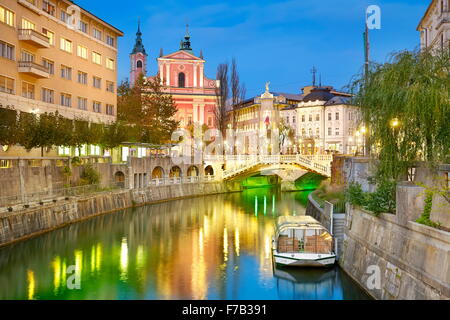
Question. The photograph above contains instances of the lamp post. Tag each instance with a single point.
(363, 132)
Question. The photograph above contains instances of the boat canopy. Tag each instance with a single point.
(297, 222)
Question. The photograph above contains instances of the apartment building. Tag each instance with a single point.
(52, 61)
(434, 27)
(326, 122)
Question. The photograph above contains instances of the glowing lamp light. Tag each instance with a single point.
(395, 123)
(363, 129)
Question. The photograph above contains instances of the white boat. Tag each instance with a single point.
(302, 241)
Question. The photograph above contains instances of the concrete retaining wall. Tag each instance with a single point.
(20, 225)
(413, 259)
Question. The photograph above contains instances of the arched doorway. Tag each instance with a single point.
(209, 171)
(158, 173)
(175, 172)
(119, 179)
(192, 171)
(181, 80)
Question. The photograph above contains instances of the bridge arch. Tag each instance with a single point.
(119, 179)
(175, 172)
(209, 170)
(157, 173)
(192, 171)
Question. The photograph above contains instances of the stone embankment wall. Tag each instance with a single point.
(20, 225)
(314, 210)
(413, 259)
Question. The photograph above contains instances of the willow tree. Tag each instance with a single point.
(406, 109)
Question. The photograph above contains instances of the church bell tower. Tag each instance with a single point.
(138, 58)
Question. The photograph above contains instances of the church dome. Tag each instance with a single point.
(320, 93)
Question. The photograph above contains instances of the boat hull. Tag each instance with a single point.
(304, 260)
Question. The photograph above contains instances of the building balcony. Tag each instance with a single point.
(33, 69)
(34, 38)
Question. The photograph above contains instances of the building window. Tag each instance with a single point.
(110, 109)
(27, 90)
(287, 119)
(66, 45)
(310, 117)
(66, 72)
(97, 82)
(336, 131)
(293, 119)
(48, 95)
(329, 116)
(64, 16)
(209, 122)
(350, 115)
(50, 65)
(97, 106)
(66, 100)
(82, 77)
(317, 132)
(110, 40)
(83, 26)
(82, 103)
(337, 115)
(303, 118)
(6, 84)
(329, 131)
(7, 16)
(97, 34)
(48, 7)
(28, 25)
(96, 58)
(110, 86)
(82, 52)
(6, 50)
(317, 117)
(50, 35)
(303, 132)
(27, 56)
(139, 64)
(110, 64)
(181, 80)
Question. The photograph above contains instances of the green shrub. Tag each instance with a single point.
(89, 175)
(383, 199)
(425, 218)
(355, 195)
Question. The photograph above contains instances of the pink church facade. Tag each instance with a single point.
(182, 75)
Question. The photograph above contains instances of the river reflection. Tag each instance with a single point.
(213, 247)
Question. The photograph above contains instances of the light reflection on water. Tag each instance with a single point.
(214, 247)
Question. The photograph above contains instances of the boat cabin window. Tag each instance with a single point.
(305, 241)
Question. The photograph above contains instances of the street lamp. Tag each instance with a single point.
(395, 123)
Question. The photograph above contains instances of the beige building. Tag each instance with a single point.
(55, 56)
(327, 123)
(434, 26)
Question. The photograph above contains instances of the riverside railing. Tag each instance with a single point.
(54, 194)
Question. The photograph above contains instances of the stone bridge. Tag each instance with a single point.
(143, 172)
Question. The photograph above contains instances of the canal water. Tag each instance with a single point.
(212, 247)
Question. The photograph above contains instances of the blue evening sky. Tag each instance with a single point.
(276, 41)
